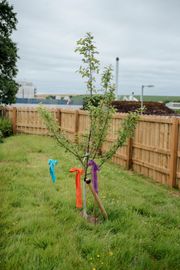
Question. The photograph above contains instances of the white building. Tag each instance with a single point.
(130, 97)
(173, 105)
(26, 90)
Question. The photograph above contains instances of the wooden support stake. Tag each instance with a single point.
(173, 153)
(14, 120)
(129, 153)
(96, 197)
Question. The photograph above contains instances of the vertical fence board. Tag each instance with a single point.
(174, 152)
(174, 148)
(178, 157)
(14, 120)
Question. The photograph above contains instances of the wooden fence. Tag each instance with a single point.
(154, 151)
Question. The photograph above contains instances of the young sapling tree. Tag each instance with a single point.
(90, 144)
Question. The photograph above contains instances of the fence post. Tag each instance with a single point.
(76, 127)
(129, 153)
(14, 120)
(173, 153)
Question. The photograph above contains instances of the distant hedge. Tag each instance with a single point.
(156, 108)
(95, 99)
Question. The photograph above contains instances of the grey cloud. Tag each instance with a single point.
(144, 34)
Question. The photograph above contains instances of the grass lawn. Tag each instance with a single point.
(41, 229)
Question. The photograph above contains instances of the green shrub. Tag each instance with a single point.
(5, 127)
(1, 137)
(95, 99)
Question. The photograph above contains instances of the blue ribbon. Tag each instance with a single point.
(52, 163)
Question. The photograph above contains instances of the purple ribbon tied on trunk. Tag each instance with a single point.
(94, 170)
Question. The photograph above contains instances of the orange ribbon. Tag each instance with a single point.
(79, 172)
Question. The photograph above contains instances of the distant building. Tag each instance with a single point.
(173, 105)
(57, 96)
(67, 99)
(130, 97)
(125, 98)
(26, 90)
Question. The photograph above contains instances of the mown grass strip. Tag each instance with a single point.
(41, 228)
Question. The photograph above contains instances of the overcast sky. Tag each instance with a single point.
(144, 34)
